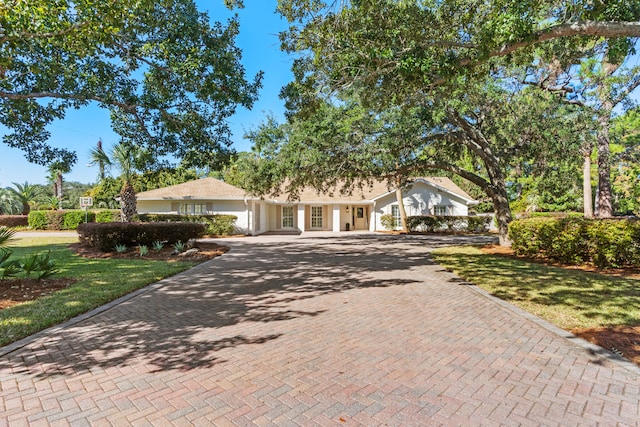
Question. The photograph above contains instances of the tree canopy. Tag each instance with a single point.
(169, 78)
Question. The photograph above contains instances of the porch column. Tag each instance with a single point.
(336, 218)
(301, 221)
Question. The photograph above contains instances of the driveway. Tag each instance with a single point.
(314, 330)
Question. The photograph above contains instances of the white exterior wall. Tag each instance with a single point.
(420, 200)
(220, 207)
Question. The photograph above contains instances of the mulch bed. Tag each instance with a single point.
(622, 340)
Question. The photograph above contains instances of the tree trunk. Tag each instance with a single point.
(502, 211)
(605, 198)
(58, 186)
(403, 212)
(587, 195)
(128, 202)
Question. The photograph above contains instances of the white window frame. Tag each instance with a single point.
(443, 210)
(316, 217)
(395, 212)
(288, 218)
(200, 208)
(185, 209)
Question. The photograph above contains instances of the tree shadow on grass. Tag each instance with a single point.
(606, 299)
(184, 322)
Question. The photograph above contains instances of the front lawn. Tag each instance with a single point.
(98, 281)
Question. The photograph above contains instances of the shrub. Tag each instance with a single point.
(604, 242)
(429, 223)
(218, 225)
(72, 218)
(112, 215)
(14, 220)
(388, 221)
(38, 220)
(106, 236)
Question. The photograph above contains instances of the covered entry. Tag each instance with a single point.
(360, 217)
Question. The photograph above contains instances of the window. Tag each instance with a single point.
(359, 213)
(185, 209)
(395, 211)
(316, 216)
(442, 210)
(287, 217)
(200, 209)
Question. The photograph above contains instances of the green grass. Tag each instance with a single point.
(569, 298)
(98, 282)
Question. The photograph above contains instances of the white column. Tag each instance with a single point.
(336, 218)
(301, 217)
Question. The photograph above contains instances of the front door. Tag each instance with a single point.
(361, 217)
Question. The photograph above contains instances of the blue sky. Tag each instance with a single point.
(81, 129)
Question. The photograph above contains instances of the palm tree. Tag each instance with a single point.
(9, 204)
(124, 157)
(26, 194)
(56, 170)
(100, 158)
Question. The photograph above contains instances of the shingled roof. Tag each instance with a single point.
(212, 189)
(199, 189)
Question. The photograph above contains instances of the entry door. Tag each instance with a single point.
(287, 217)
(361, 217)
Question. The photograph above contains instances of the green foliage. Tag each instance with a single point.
(106, 236)
(430, 223)
(38, 220)
(170, 84)
(388, 221)
(120, 248)
(73, 218)
(178, 247)
(59, 220)
(218, 225)
(605, 243)
(39, 264)
(107, 215)
(6, 235)
(143, 250)
(157, 245)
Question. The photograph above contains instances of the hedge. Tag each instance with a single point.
(606, 243)
(218, 225)
(107, 235)
(473, 224)
(58, 220)
(14, 220)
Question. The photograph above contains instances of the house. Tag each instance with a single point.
(311, 210)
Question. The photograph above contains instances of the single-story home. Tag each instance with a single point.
(311, 210)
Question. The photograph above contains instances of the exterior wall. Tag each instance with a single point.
(420, 200)
(221, 207)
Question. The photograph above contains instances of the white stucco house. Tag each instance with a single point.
(311, 210)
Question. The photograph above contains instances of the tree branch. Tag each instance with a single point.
(583, 28)
(5, 38)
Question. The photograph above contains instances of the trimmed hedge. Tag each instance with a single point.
(606, 243)
(472, 224)
(217, 225)
(58, 220)
(107, 235)
(14, 220)
(112, 215)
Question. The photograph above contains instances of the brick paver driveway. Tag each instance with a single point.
(364, 330)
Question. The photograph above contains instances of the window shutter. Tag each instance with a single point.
(174, 207)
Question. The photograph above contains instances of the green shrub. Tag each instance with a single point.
(14, 220)
(221, 225)
(108, 235)
(112, 215)
(72, 218)
(38, 220)
(604, 242)
(218, 225)
(388, 221)
(429, 223)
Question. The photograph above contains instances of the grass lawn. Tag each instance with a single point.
(569, 298)
(98, 282)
